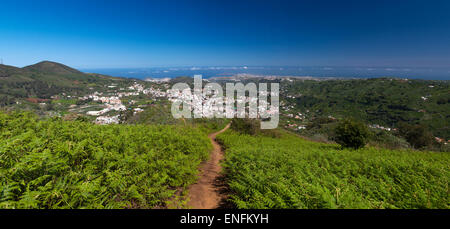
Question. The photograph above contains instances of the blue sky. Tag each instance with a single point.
(111, 33)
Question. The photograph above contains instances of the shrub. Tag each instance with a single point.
(417, 135)
(385, 139)
(245, 126)
(351, 134)
(252, 127)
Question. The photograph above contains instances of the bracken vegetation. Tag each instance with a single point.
(75, 164)
(289, 172)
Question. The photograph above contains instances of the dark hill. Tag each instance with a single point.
(49, 67)
(43, 80)
(7, 71)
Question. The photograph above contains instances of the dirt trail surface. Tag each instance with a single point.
(207, 192)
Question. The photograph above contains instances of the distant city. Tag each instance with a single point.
(320, 71)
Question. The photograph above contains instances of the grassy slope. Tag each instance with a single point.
(290, 172)
(62, 164)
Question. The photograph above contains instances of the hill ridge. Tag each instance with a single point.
(52, 67)
(8, 70)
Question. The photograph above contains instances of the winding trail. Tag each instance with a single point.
(206, 193)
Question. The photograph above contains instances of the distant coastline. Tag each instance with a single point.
(314, 72)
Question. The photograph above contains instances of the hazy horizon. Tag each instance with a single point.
(314, 71)
(425, 73)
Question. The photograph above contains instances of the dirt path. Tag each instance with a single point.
(206, 193)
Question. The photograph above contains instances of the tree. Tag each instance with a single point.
(351, 134)
(416, 135)
(245, 126)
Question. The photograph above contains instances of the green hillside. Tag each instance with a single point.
(43, 80)
(383, 101)
(8, 71)
(289, 172)
(74, 164)
(49, 67)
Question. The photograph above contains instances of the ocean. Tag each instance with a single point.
(341, 72)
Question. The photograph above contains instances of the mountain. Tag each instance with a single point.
(56, 73)
(43, 80)
(46, 71)
(48, 67)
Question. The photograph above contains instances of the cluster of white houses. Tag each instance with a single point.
(209, 106)
(202, 105)
(114, 102)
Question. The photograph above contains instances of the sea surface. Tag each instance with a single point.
(341, 72)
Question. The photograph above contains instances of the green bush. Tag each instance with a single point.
(252, 127)
(351, 134)
(245, 126)
(385, 139)
(417, 135)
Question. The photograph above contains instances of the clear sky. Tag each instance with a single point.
(112, 33)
